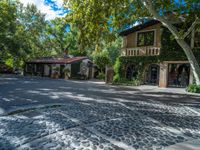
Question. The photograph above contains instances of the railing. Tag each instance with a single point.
(141, 51)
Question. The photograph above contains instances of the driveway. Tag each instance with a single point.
(42, 113)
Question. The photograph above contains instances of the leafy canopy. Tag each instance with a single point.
(97, 18)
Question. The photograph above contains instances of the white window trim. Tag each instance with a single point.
(155, 36)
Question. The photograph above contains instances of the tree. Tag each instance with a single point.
(57, 35)
(7, 25)
(179, 37)
(113, 48)
(97, 17)
(101, 60)
(30, 33)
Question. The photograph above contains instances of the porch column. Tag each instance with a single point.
(163, 74)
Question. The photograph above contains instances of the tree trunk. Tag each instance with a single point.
(191, 58)
(186, 48)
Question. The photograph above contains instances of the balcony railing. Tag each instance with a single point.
(141, 51)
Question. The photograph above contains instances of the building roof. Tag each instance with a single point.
(54, 60)
(139, 27)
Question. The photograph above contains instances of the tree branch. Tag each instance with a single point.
(197, 21)
(148, 4)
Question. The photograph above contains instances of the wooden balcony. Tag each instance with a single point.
(141, 51)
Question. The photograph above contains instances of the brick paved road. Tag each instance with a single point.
(56, 114)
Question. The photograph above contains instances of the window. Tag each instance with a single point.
(145, 38)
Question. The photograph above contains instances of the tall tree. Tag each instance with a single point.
(30, 32)
(7, 24)
(57, 33)
(96, 17)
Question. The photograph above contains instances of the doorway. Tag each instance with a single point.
(178, 75)
(131, 72)
(153, 72)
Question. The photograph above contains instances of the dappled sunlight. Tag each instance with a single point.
(9, 79)
(2, 111)
(6, 99)
(44, 89)
(91, 115)
(33, 92)
(30, 82)
(161, 95)
(54, 96)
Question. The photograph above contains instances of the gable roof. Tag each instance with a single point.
(61, 60)
(139, 27)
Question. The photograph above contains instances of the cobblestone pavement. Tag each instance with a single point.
(46, 114)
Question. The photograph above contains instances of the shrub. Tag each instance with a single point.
(101, 76)
(193, 88)
(117, 68)
(56, 69)
(116, 78)
(101, 60)
(126, 82)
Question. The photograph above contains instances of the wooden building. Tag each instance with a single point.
(150, 45)
(47, 66)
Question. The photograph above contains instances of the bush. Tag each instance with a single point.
(126, 82)
(101, 60)
(116, 78)
(193, 88)
(117, 68)
(101, 76)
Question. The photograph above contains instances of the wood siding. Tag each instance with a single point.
(131, 39)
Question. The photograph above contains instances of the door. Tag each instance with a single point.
(154, 74)
(62, 74)
(75, 70)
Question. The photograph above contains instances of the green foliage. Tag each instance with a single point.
(125, 82)
(30, 32)
(58, 39)
(139, 61)
(171, 51)
(193, 88)
(9, 62)
(101, 76)
(101, 59)
(56, 69)
(114, 49)
(77, 52)
(95, 19)
(7, 24)
(116, 78)
(117, 68)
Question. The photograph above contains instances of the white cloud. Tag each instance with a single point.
(50, 13)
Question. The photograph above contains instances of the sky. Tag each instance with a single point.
(52, 8)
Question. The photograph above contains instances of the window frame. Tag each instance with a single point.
(146, 32)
